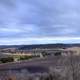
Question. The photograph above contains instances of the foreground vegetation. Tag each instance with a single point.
(59, 68)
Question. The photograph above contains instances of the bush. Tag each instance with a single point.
(5, 60)
(25, 57)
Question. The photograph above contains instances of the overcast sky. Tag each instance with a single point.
(39, 21)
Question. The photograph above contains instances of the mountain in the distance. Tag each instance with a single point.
(24, 47)
(27, 47)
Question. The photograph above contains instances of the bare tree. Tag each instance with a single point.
(73, 66)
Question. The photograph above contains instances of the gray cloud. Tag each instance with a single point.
(39, 18)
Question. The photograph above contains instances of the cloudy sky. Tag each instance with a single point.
(39, 21)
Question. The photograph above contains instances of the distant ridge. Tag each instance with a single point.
(25, 47)
(49, 46)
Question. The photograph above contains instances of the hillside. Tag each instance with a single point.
(27, 47)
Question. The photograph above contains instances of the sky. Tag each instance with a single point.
(39, 21)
